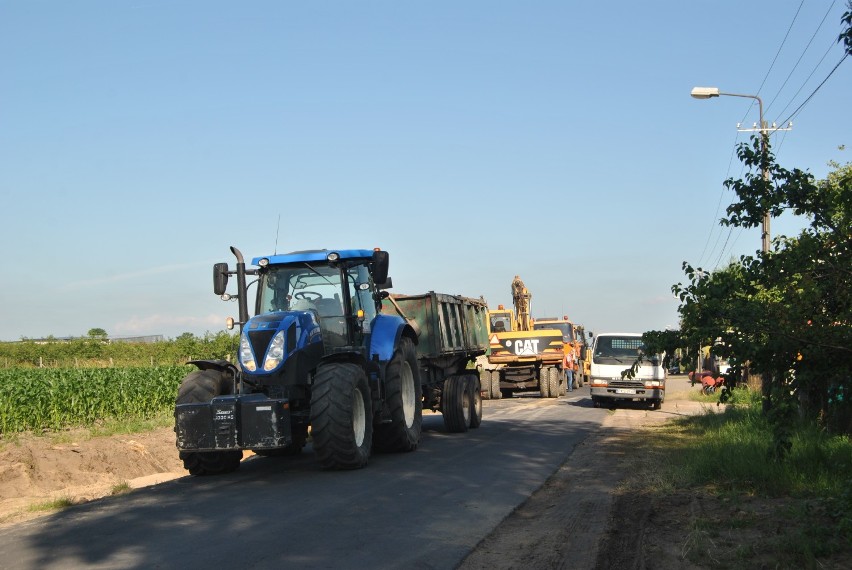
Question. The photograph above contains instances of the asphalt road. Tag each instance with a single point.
(426, 509)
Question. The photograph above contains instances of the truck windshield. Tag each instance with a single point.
(566, 328)
(302, 288)
(617, 349)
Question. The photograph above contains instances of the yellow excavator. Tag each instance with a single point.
(521, 357)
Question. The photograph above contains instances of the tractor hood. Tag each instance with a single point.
(299, 329)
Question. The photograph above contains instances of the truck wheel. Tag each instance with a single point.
(202, 386)
(455, 404)
(341, 416)
(563, 382)
(485, 382)
(553, 382)
(475, 400)
(404, 399)
(543, 383)
(496, 392)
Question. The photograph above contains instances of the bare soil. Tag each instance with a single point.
(587, 515)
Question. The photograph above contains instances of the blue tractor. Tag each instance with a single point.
(317, 354)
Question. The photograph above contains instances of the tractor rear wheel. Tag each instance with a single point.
(455, 404)
(404, 399)
(341, 416)
(198, 387)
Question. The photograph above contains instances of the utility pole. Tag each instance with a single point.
(764, 130)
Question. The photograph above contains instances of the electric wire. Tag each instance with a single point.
(805, 82)
(804, 51)
(818, 87)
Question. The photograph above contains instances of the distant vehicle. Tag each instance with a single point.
(612, 355)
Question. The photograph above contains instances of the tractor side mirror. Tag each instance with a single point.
(387, 284)
(220, 278)
(381, 260)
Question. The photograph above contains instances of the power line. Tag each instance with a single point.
(804, 51)
(805, 102)
(805, 82)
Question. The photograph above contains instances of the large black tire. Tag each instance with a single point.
(485, 382)
(563, 382)
(455, 404)
(202, 386)
(552, 382)
(341, 416)
(475, 391)
(543, 383)
(496, 392)
(404, 399)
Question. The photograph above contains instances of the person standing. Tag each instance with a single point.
(569, 363)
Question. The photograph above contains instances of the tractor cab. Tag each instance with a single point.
(338, 295)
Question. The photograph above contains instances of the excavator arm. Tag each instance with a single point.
(521, 299)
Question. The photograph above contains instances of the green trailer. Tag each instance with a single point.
(451, 332)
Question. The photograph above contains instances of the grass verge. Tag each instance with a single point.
(744, 509)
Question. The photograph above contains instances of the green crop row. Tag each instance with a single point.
(52, 399)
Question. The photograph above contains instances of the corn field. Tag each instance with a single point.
(52, 399)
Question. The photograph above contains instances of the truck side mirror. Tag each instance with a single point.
(381, 260)
(220, 278)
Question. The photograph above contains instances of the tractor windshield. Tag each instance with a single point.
(302, 288)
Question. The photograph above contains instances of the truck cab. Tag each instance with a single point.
(613, 354)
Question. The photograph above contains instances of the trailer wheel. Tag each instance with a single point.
(553, 382)
(404, 399)
(496, 392)
(455, 405)
(198, 387)
(341, 416)
(475, 400)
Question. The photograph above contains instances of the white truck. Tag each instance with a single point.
(615, 353)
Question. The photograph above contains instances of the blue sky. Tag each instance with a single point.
(473, 140)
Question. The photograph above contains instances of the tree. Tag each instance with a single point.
(97, 333)
(786, 312)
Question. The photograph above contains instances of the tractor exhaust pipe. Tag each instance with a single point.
(242, 301)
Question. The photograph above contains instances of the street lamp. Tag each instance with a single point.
(709, 93)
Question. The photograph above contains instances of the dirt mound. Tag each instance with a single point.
(36, 470)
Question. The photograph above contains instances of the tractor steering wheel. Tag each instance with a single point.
(308, 295)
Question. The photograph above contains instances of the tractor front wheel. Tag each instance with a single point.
(341, 416)
(198, 387)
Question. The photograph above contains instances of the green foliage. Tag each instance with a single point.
(39, 399)
(786, 314)
(95, 352)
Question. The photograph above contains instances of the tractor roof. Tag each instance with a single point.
(314, 255)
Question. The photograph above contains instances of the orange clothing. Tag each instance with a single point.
(570, 361)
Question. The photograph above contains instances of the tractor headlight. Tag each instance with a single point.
(246, 356)
(275, 353)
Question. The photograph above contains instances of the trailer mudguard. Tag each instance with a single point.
(384, 337)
